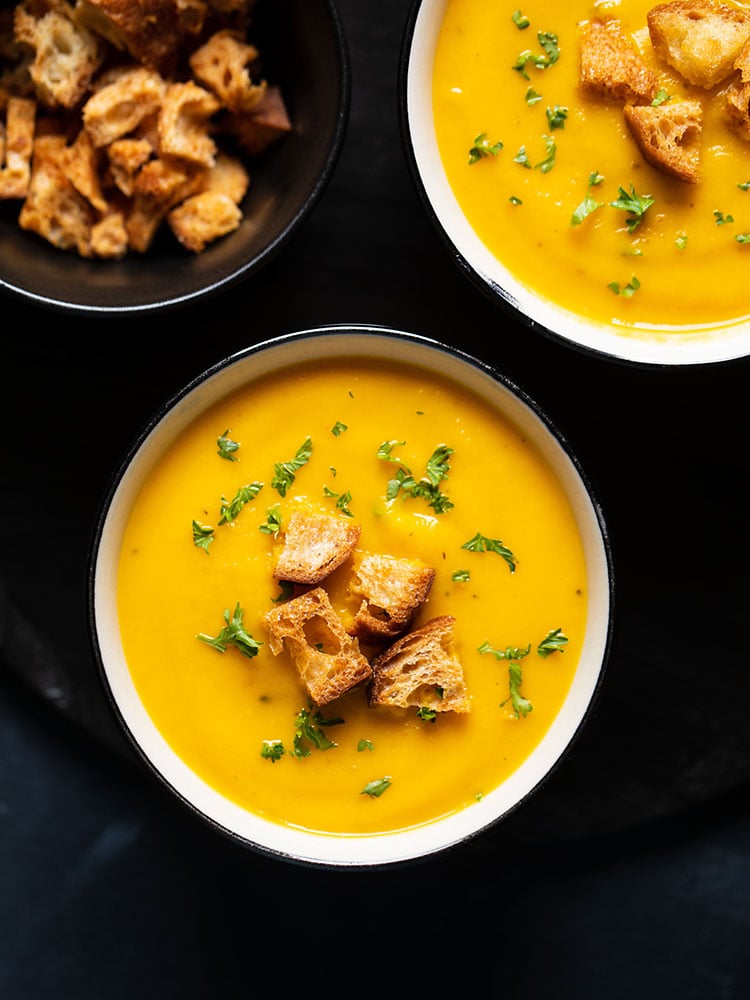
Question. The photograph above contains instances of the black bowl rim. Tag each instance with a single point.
(377, 332)
(253, 265)
(491, 290)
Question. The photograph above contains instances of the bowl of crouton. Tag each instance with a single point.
(366, 634)
(154, 153)
(586, 167)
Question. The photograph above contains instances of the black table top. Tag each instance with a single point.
(665, 450)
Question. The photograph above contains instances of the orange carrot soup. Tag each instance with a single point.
(550, 175)
(426, 472)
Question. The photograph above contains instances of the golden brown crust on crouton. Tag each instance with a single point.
(611, 66)
(221, 64)
(314, 545)
(118, 107)
(159, 186)
(227, 176)
(109, 237)
(391, 590)
(265, 124)
(54, 210)
(183, 123)
(701, 39)
(203, 218)
(66, 54)
(737, 107)
(126, 157)
(16, 144)
(421, 670)
(80, 162)
(151, 31)
(668, 135)
(328, 660)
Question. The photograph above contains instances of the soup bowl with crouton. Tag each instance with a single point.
(146, 165)
(586, 166)
(362, 635)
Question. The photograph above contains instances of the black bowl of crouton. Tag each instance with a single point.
(585, 168)
(153, 153)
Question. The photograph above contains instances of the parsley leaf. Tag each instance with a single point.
(521, 706)
(480, 543)
(272, 750)
(338, 428)
(245, 494)
(520, 20)
(427, 488)
(376, 788)
(203, 535)
(553, 642)
(557, 116)
(636, 205)
(233, 634)
(627, 291)
(308, 729)
(272, 523)
(284, 472)
(227, 447)
(481, 147)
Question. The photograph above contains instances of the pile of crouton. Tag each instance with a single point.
(400, 666)
(118, 118)
(707, 42)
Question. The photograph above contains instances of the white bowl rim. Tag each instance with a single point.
(269, 838)
(648, 349)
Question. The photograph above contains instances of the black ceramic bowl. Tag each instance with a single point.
(304, 50)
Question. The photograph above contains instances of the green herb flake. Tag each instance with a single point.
(522, 157)
(627, 291)
(721, 219)
(284, 472)
(272, 523)
(426, 714)
(634, 204)
(521, 706)
(272, 750)
(230, 510)
(338, 428)
(744, 186)
(553, 642)
(681, 241)
(481, 147)
(584, 210)
(286, 590)
(203, 535)
(426, 488)
(227, 447)
(548, 162)
(520, 20)
(365, 745)
(342, 500)
(376, 788)
(480, 543)
(660, 97)
(461, 576)
(557, 116)
(742, 238)
(595, 178)
(309, 735)
(233, 634)
(532, 97)
(514, 200)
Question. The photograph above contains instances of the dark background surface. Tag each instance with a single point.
(627, 874)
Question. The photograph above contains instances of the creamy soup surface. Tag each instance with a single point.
(218, 710)
(683, 266)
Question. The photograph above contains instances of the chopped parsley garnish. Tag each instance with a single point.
(513, 654)
(426, 714)
(744, 186)
(595, 178)
(532, 97)
(461, 576)
(548, 162)
(548, 42)
(554, 642)
(520, 20)
(721, 219)
(272, 750)
(660, 97)
(482, 147)
(427, 487)
(338, 428)
(522, 157)
(681, 241)
(376, 788)
(309, 735)
(557, 116)
(480, 543)
(286, 590)
(636, 206)
(203, 535)
(742, 238)
(233, 634)
(627, 291)
(284, 472)
(587, 206)
(227, 447)
(515, 201)
(342, 500)
(272, 523)
(245, 494)
(365, 745)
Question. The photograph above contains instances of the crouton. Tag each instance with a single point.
(221, 64)
(227, 176)
(183, 123)
(421, 670)
(328, 660)
(159, 186)
(118, 107)
(151, 31)
(16, 143)
(54, 210)
(126, 157)
(256, 130)
(611, 67)
(109, 237)
(701, 39)
(66, 54)
(203, 218)
(737, 107)
(314, 545)
(668, 136)
(391, 591)
(80, 162)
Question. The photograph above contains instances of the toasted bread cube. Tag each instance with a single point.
(66, 54)
(152, 31)
(701, 39)
(126, 157)
(221, 64)
(159, 186)
(314, 545)
(16, 144)
(328, 660)
(421, 670)
(611, 67)
(391, 590)
(81, 164)
(668, 136)
(183, 123)
(54, 210)
(203, 218)
(109, 237)
(228, 176)
(737, 107)
(265, 124)
(118, 107)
